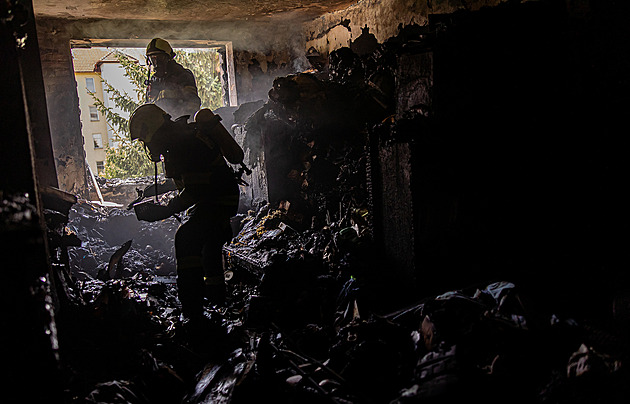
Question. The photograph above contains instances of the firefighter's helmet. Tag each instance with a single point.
(159, 45)
(204, 115)
(145, 122)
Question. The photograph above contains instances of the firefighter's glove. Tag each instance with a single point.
(151, 212)
(176, 205)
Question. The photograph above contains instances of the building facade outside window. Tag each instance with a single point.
(93, 113)
(89, 84)
(98, 140)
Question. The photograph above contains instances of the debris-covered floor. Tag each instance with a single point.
(312, 319)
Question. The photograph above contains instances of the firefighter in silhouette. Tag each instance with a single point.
(171, 87)
(194, 156)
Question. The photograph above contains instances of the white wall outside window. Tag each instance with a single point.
(114, 74)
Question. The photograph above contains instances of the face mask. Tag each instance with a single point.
(153, 152)
(159, 62)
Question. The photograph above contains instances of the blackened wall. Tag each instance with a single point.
(28, 338)
(256, 70)
(382, 18)
(63, 107)
(519, 176)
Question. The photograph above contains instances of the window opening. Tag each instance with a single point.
(93, 113)
(89, 84)
(98, 140)
(122, 72)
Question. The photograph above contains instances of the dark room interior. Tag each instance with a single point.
(434, 211)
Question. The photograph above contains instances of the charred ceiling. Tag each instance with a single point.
(186, 10)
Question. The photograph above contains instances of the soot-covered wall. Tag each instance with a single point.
(383, 19)
(516, 165)
(63, 107)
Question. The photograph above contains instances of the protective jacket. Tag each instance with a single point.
(194, 156)
(194, 159)
(175, 91)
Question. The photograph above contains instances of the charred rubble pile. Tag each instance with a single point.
(107, 233)
(115, 300)
(463, 345)
(28, 336)
(121, 191)
(320, 332)
(305, 325)
(312, 138)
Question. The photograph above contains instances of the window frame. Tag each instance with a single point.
(94, 115)
(93, 85)
(96, 144)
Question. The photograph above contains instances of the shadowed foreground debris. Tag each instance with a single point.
(310, 321)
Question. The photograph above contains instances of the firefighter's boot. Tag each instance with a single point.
(190, 290)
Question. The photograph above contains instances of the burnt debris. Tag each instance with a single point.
(304, 322)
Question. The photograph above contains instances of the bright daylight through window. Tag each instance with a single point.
(112, 82)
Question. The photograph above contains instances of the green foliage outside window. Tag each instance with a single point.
(129, 159)
(206, 66)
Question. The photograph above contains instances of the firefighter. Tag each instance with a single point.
(194, 156)
(171, 87)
